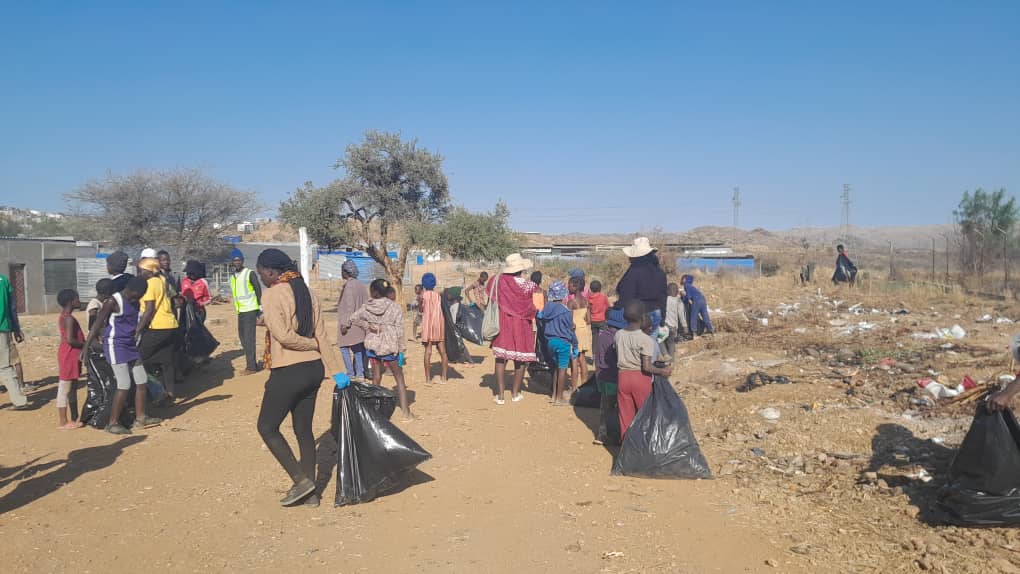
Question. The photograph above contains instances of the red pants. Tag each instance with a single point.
(634, 388)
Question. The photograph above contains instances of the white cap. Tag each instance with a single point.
(148, 252)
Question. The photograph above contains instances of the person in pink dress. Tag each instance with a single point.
(516, 339)
(433, 326)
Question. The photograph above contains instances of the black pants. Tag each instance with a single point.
(159, 347)
(292, 389)
(246, 332)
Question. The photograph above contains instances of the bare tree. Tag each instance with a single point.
(183, 210)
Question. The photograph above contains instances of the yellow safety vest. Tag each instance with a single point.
(241, 291)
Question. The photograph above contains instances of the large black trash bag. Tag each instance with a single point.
(380, 399)
(456, 352)
(469, 324)
(587, 395)
(373, 455)
(984, 479)
(100, 388)
(660, 442)
(198, 341)
(541, 351)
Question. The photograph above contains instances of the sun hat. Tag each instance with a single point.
(615, 319)
(557, 291)
(639, 248)
(514, 263)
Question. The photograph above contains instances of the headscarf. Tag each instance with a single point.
(280, 261)
(350, 268)
(150, 264)
(557, 291)
(236, 253)
(428, 281)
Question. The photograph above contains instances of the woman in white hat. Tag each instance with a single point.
(516, 339)
(644, 280)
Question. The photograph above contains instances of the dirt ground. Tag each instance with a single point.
(833, 485)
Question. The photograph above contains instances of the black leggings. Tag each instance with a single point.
(292, 389)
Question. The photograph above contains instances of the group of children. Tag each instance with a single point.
(132, 319)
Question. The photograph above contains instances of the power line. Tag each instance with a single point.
(736, 207)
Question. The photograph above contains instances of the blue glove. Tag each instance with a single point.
(400, 359)
(342, 380)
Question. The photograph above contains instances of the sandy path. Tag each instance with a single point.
(509, 488)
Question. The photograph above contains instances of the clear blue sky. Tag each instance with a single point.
(585, 116)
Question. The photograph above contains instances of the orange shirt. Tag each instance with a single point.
(599, 304)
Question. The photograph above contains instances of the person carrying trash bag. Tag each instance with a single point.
(984, 478)
(658, 441)
(296, 346)
(373, 455)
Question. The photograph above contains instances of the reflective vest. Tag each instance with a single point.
(241, 291)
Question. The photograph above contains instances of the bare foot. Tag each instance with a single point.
(71, 425)
(408, 418)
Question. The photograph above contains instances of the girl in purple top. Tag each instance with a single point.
(118, 319)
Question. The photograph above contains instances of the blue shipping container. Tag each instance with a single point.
(709, 264)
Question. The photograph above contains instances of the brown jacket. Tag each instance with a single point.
(286, 346)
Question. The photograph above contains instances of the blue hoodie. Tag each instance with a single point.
(691, 293)
(558, 321)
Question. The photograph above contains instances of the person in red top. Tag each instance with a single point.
(72, 340)
(195, 288)
(598, 304)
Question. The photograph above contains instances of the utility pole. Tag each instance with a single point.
(844, 223)
(932, 259)
(736, 207)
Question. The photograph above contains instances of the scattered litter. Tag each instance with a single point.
(858, 328)
(938, 440)
(1006, 378)
(800, 330)
(760, 379)
(942, 391)
(921, 475)
(954, 332)
(901, 312)
(984, 319)
(764, 321)
(770, 414)
(611, 555)
(1003, 321)
(757, 452)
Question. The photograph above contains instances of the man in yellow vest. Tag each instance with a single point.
(246, 291)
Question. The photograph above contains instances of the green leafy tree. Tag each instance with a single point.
(471, 236)
(391, 187)
(320, 210)
(986, 221)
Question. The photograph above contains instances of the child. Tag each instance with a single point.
(558, 328)
(606, 370)
(104, 290)
(433, 326)
(578, 305)
(416, 308)
(598, 303)
(635, 352)
(195, 288)
(68, 359)
(674, 319)
(383, 322)
(118, 319)
(697, 308)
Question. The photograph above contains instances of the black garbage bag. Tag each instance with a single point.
(380, 399)
(541, 351)
(100, 388)
(984, 479)
(197, 340)
(587, 395)
(469, 324)
(456, 352)
(373, 455)
(660, 442)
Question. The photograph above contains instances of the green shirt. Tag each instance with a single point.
(6, 295)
